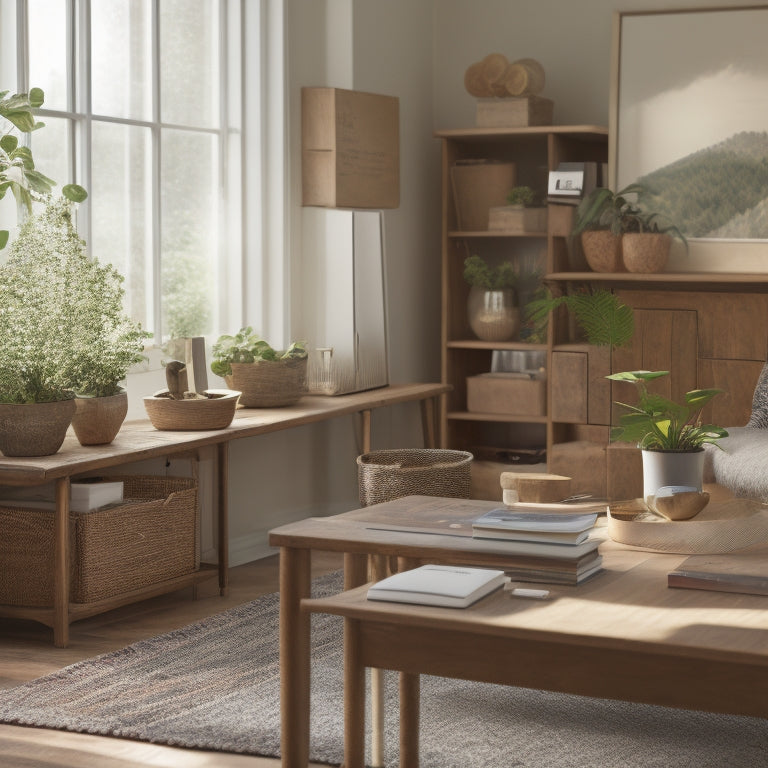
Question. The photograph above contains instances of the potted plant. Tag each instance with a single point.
(491, 306)
(608, 221)
(670, 435)
(266, 377)
(17, 166)
(524, 213)
(63, 330)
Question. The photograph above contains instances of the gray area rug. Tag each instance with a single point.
(215, 685)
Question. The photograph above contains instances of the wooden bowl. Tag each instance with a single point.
(216, 411)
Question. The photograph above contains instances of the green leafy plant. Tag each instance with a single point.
(480, 275)
(659, 424)
(604, 318)
(248, 347)
(621, 213)
(524, 196)
(62, 327)
(17, 165)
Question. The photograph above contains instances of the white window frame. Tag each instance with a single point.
(245, 297)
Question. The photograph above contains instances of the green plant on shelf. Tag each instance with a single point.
(479, 274)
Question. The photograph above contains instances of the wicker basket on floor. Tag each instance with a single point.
(391, 474)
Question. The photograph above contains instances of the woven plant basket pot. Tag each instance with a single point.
(34, 429)
(602, 250)
(97, 420)
(214, 412)
(645, 252)
(388, 475)
(269, 383)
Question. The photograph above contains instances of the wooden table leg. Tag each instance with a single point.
(61, 555)
(409, 720)
(295, 585)
(354, 698)
(378, 571)
(222, 457)
(428, 422)
(366, 418)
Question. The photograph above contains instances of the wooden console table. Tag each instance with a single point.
(138, 440)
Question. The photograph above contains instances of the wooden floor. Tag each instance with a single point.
(27, 652)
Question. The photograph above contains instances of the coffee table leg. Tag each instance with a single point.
(295, 585)
(354, 698)
(378, 571)
(409, 720)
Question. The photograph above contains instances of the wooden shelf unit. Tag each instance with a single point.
(535, 151)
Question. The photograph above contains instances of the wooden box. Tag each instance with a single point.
(151, 537)
(350, 149)
(514, 112)
(506, 393)
(515, 218)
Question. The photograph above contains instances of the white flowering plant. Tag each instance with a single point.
(63, 330)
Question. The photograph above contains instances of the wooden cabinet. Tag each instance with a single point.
(533, 151)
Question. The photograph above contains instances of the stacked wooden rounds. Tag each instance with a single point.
(534, 487)
(495, 76)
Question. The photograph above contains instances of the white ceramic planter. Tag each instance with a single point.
(678, 468)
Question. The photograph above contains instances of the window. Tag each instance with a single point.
(143, 108)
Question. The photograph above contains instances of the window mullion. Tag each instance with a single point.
(155, 274)
(79, 102)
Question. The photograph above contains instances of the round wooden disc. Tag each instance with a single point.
(537, 487)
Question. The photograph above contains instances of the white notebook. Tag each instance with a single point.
(454, 586)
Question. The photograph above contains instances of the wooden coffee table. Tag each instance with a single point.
(622, 634)
(369, 533)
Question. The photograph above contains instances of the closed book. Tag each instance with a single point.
(538, 550)
(741, 573)
(85, 496)
(541, 522)
(447, 585)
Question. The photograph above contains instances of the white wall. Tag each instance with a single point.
(382, 47)
(571, 39)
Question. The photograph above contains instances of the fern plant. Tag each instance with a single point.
(604, 318)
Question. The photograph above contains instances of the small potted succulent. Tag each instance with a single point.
(523, 213)
(266, 377)
(492, 309)
(670, 435)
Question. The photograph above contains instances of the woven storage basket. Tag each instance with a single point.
(269, 383)
(388, 475)
(150, 538)
(205, 413)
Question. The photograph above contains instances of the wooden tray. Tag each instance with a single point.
(720, 527)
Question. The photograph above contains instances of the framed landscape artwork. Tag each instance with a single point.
(689, 121)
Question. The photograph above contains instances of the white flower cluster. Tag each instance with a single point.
(62, 325)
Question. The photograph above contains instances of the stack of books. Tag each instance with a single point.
(553, 547)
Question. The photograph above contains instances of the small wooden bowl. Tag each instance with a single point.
(679, 506)
(214, 412)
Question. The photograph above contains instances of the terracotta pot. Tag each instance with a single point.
(34, 429)
(645, 251)
(602, 250)
(493, 315)
(97, 420)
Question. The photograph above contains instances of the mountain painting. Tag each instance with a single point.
(720, 192)
(692, 118)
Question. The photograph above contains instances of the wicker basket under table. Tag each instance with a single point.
(151, 537)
